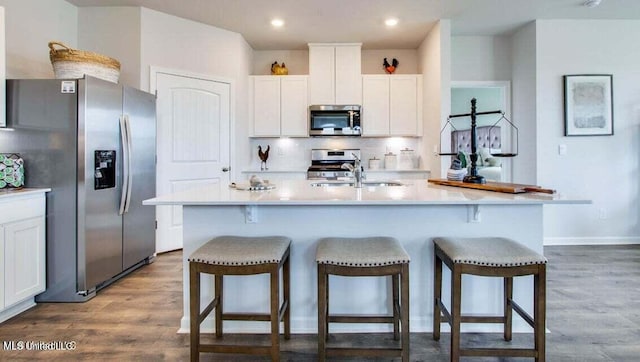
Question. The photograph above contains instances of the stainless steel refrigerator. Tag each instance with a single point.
(93, 143)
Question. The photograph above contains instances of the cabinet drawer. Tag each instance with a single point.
(21, 207)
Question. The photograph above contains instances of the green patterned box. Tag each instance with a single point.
(11, 171)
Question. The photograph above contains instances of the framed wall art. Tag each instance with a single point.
(588, 105)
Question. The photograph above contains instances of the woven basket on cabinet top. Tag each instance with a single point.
(72, 63)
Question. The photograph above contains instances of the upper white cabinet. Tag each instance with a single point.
(279, 106)
(335, 73)
(3, 116)
(391, 105)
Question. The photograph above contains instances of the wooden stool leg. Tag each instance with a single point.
(218, 307)
(287, 295)
(437, 296)
(404, 312)
(395, 280)
(539, 310)
(326, 305)
(456, 293)
(322, 312)
(194, 311)
(508, 308)
(275, 307)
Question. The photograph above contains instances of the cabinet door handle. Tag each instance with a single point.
(226, 169)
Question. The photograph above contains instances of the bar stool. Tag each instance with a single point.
(489, 257)
(233, 255)
(354, 257)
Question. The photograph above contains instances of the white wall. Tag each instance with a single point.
(114, 32)
(175, 43)
(604, 169)
(434, 63)
(523, 86)
(30, 26)
(480, 58)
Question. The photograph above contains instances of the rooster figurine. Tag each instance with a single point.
(263, 157)
(277, 69)
(390, 68)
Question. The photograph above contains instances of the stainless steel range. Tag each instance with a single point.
(327, 164)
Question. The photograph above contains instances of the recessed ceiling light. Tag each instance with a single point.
(391, 22)
(278, 23)
(591, 3)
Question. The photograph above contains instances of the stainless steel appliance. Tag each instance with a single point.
(93, 143)
(335, 120)
(326, 164)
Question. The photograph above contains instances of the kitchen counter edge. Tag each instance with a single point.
(301, 193)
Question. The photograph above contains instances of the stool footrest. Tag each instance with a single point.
(221, 348)
(364, 352)
(360, 319)
(481, 319)
(470, 318)
(498, 352)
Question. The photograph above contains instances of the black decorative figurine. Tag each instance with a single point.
(264, 156)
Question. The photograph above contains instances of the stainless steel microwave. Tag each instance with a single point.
(335, 120)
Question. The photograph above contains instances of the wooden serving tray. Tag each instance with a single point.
(494, 186)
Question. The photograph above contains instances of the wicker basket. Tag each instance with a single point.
(72, 63)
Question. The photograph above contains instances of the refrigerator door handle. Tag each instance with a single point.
(125, 167)
(127, 124)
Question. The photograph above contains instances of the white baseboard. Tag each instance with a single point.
(596, 240)
(17, 309)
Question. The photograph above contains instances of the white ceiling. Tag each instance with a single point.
(309, 21)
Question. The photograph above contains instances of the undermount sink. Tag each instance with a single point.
(364, 183)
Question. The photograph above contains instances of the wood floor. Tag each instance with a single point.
(593, 315)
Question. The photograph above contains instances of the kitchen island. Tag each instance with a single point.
(413, 213)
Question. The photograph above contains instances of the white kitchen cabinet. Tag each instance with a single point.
(294, 106)
(335, 73)
(279, 106)
(375, 105)
(22, 251)
(391, 105)
(24, 259)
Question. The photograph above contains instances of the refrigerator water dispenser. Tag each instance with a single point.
(105, 174)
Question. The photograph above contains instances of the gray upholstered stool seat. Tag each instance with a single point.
(489, 257)
(500, 252)
(234, 255)
(373, 251)
(371, 256)
(236, 250)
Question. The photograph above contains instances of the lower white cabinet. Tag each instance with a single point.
(22, 252)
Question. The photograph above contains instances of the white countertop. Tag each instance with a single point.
(6, 193)
(300, 192)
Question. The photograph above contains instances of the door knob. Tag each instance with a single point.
(226, 169)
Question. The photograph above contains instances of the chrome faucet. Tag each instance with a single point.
(356, 168)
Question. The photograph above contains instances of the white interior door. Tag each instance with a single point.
(193, 144)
